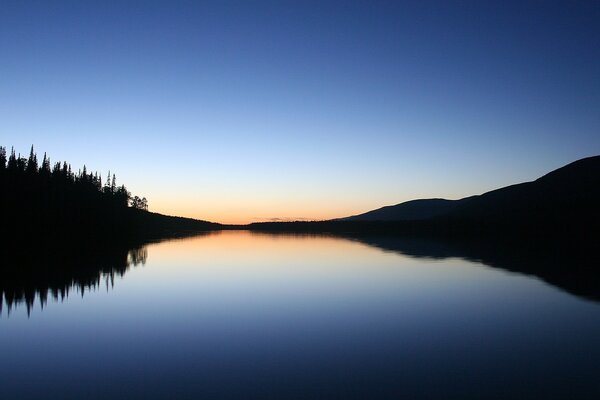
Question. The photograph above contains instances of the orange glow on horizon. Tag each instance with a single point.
(245, 215)
(237, 206)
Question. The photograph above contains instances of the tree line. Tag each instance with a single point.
(45, 202)
(16, 170)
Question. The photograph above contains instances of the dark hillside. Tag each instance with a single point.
(409, 211)
(567, 197)
(566, 194)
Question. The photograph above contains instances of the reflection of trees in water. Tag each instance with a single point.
(56, 274)
(137, 256)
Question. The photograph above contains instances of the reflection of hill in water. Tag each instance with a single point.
(571, 266)
(55, 273)
(37, 274)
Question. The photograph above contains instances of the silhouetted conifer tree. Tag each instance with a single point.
(2, 158)
(12, 161)
(113, 185)
(32, 164)
(56, 170)
(21, 164)
(45, 168)
(106, 188)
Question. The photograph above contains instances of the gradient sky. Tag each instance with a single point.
(241, 111)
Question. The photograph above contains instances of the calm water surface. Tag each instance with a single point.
(243, 315)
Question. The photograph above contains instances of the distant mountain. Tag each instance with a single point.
(409, 211)
(570, 192)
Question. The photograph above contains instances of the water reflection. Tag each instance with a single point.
(570, 266)
(254, 316)
(54, 273)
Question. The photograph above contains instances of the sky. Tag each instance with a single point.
(251, 111)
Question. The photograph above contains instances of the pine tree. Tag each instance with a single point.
(32, 164)
(12, 160)
(45, 168)
(21, 163)
(2, 158)
(106, 188)
(113, 185)
(56, 170)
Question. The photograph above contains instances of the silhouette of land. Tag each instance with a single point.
(568, 192)
(412, 210)
(81, 231)
(65, 230)
(548, 228)
(562, 203)
(41, 202)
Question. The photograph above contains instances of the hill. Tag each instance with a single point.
(409, 211)
(566, 194)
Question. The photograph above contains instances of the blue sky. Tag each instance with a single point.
(240, 111)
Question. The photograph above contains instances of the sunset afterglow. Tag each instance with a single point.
(235, 112)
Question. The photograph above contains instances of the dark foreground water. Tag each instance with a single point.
(242, 315)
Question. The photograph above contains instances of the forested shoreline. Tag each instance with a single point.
(45, 203)
(41, 202)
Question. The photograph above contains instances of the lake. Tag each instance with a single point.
(244, 315)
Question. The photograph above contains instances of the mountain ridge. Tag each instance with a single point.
(569, 191)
